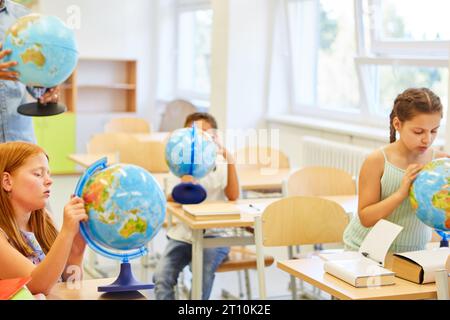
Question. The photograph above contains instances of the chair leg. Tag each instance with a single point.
(293, 283)
(247, 284)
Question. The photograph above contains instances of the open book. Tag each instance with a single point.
(364, 268)
(212, 211)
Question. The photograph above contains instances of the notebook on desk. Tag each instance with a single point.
(212, 211)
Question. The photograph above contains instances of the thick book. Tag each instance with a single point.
(420, 266)
(10, 288)
(212, 211)
(361, 272)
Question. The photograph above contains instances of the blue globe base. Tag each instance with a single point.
(37, 109)
(125, 281)
(189, 193)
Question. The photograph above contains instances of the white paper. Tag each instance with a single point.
(252, 208)
(378, 241)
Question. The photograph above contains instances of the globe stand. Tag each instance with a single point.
(38, 109)
(125, 281)
(189, 193)
(444, 240)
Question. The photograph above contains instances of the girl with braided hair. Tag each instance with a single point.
(387, 174)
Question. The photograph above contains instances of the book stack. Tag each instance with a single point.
(212, 211)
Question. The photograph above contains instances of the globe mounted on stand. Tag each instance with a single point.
(46, 54)
(430, 196)
(190, 152)
(126, 209)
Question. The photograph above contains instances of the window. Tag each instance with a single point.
(193, 74)
(406, 45)
(323, 50)
(353, 57)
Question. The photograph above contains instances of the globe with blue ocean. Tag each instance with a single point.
(44, 48)
(125, 205)
(430, 194)
(191, 151)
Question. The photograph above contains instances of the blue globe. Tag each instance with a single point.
(126, 209)
(44, 48)
(430, 194)
(190, 151)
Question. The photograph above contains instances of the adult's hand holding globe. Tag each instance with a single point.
(45, 51)
(5, 72)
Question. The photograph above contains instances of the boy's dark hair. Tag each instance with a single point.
(412, 102)
(201, 116)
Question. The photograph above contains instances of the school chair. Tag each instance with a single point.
(317, 181)
(294, 221)
(128, 125)
(443, 282)
(129, 149)
(320, 181)
(175, 114)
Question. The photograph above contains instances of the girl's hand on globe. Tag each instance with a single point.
(409, 177)
(50, 96)
(5, 73)
(74, 213)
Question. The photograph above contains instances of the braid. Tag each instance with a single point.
(392, 137)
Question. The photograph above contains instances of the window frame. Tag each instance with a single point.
(183, 6)
(382, 52)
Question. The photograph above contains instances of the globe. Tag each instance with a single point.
(190, 151)
(126, 209)
(430, 194)
(44, 48)
(125, 205)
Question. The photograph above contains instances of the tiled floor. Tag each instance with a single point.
(277, 280)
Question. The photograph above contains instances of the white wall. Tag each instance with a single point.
(239, 62)
(115, 29)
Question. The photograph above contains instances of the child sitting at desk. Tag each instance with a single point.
(30, 245)
(220, 184)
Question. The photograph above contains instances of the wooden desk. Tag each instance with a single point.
(311, 270)
(246, 220)
(87, 159)
(262, 179)
(154, 136)
(87, 290)
(199, 243)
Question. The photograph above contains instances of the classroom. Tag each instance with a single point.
(224, 150)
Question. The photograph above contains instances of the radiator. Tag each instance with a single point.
(326, 153)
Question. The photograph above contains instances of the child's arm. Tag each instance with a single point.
(232, 189)
(74, 266)
(47, 273)
(370, 208)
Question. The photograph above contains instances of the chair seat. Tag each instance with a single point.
(241, 258)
